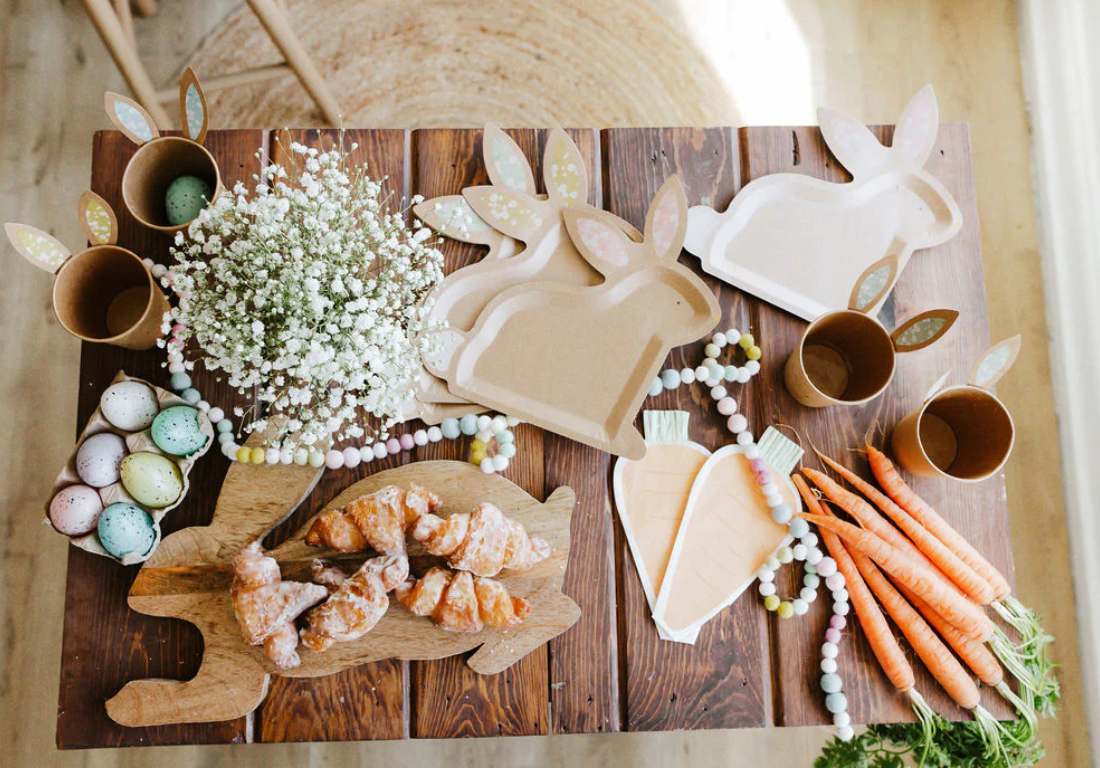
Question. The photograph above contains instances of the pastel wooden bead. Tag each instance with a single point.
(753, 352)
(746, 341)
(393, 446)
(406, 441)
(727, 406)
(351, 457)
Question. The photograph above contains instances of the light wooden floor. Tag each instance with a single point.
(781, 60)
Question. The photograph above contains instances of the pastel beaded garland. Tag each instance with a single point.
(488, 430)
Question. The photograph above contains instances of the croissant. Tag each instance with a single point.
(376, 521)
(460, 602)
(483, 542)
(266, 606)
(355, 604)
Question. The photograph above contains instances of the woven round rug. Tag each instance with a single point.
(441, 63)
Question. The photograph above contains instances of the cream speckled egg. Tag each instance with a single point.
(124, 529)
(151, 479)
(129, 405)
(176, 430)
(75, 510)
(98, 459)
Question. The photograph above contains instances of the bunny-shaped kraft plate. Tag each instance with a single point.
(578, 360)
(190, 574)
(799, 242)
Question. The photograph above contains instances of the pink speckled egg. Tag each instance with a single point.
(75, 510)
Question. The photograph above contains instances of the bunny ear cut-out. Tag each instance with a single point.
(923, 330)
(917, 127)
(995, 363)
(194, 116)
(40, 249)
(452, 216)
(873, 284)
(851, 142)
(935, 388)
(506, 163)
(666, 222)
(598, 239)
(97, 219)
(513, 213)
(130, 118)
(563, 170)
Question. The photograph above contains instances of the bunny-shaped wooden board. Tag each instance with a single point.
(160, 160)
(501, 215)
(800, 242)
(578, 360)
(189, 578)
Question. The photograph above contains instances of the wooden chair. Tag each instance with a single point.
(113, 20)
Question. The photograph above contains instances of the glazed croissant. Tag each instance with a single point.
(376, 521)
(355, 603)
(460, 602)
(483, 542)
(266, 606)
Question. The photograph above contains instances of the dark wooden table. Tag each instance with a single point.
(610, 672)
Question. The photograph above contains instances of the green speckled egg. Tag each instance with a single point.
(153, 480)
(186, 196)
(176, 430)
(124, 529)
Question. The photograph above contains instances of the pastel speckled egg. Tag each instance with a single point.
(75, 510)
(176, 430)
(124, 529)
(185, 198)
(98, 459)
(129, 405)
(153, 480)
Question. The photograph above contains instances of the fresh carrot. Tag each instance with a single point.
(936, 656)
(925, 581)
(891, 482)
(864, 514)
(976, 655)
(875, 627)
(941, 556)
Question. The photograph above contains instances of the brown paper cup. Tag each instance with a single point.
(154, 167)
(964, 433)
(843, 358)
(107, 295)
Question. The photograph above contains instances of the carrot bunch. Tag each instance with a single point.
(934, 585)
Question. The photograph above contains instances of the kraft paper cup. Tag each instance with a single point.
(963, 433)
(844, 358)
(154, 167)
(107, 295)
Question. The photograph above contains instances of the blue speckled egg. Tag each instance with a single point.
(185, 198)
(124, 529)
(176, 430)
(153, 480)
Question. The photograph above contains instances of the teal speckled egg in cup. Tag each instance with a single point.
(176, 430)
(125, 529)
(185, 199)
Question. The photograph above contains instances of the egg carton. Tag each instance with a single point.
(135, 442)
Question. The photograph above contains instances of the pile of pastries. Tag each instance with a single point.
(461, 596)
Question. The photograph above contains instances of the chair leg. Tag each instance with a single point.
(126, 59)
(274, 20)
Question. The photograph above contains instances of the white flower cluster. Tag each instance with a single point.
(310, 291)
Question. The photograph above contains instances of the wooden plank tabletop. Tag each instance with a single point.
(610, 672)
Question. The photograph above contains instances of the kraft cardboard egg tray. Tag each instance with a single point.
(135, 442)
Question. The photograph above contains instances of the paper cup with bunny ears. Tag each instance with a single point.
(103, 294)
(847, 357)
(160, 160)
(964, 432)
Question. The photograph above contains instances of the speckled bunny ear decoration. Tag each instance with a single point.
(995, 363)
(563, 170)
(97, 219)
(505, 162)
(130, 118)
(194, 116)
(924, 329)
(873, 284)
(666, 221)
(452, 216)
(516, 214)
(39, 248)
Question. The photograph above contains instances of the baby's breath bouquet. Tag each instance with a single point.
(309, 291)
